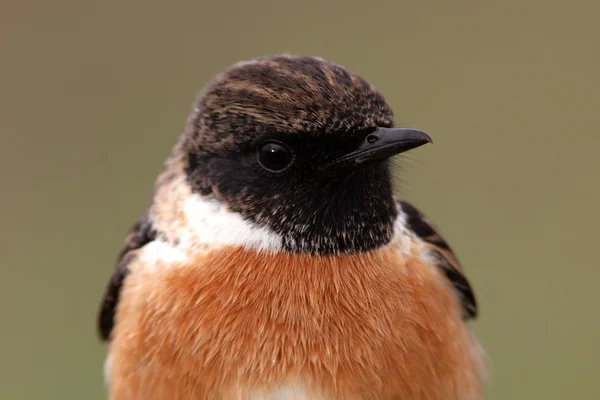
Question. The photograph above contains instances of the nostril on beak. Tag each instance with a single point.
(372, 138)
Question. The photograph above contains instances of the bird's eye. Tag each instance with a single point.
(275, 156)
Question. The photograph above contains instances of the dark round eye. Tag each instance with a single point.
(275, 156)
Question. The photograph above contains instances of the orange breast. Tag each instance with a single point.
(233, 323)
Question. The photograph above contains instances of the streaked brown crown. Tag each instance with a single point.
(283, 94)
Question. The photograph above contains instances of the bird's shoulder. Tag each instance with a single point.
(140, 234)
(442, 255)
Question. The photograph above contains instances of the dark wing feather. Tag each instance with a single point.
(140, 234)
(445, 259)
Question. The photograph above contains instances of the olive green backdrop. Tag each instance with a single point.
(93, 95)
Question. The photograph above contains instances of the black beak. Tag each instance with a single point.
(384, 143)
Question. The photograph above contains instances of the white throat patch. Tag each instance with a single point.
(213, 224)
(403, 238)
(208, 225)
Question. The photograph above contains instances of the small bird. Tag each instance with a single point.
(275, 261)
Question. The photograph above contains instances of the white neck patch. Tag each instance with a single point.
(212, 224)
(403, 238)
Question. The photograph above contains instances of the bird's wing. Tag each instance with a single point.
(443, 256)
(140, 234)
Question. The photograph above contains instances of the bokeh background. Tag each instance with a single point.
(94, 94)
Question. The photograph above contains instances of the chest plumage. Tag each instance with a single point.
(236, 324)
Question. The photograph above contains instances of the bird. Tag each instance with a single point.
(275, 260)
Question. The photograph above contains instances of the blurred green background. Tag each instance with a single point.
(94, 94)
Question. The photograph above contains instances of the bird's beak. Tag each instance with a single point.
(384, 143)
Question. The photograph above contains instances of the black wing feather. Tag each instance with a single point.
(445, 259)
(140, 234)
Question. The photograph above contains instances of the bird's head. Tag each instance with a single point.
(300, 147)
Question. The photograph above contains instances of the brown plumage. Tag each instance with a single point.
(296, 95)
(295, 276)
(375, 326)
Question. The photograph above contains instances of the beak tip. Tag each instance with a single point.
(426, 137)
(423, 137)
